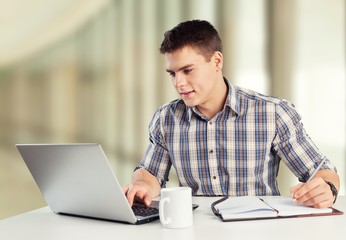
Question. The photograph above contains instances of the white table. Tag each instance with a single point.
(44, 224)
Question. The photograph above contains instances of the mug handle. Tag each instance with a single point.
(161, 212)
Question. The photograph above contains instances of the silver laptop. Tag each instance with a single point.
(77, 179)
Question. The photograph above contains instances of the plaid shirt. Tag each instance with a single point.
(235, 153)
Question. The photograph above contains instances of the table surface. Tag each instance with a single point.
(44, 224)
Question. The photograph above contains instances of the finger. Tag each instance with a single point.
(143, 196)
(324, 204)
(321, 197)
(139, 196)
(130, 195)
(306, 187)
(321, 200)
(137, 192)
(125, 189)
(313, 193)
(295, 188)
(147, 200)
(311, 198)
(318, 201)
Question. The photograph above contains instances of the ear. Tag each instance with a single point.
(218, 60)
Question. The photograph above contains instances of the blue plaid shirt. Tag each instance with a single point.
(235, 153)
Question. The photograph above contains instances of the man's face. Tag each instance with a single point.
(193, 76)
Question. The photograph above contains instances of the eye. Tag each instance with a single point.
(171, 74)
(187, 70)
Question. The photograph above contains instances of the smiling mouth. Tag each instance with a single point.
(186, 94)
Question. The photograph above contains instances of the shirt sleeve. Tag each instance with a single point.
(293, 145)
(156, 159)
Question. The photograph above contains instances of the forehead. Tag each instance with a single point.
(181, 57)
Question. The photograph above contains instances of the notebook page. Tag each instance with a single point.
(286, 207)
(244, 207)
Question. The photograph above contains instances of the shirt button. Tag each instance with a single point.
(214, 177)
(210, 123)
(211, 151)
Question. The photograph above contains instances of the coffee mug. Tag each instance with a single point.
(176, 207)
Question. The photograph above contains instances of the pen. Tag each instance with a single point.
(318, 168)
(313, 174)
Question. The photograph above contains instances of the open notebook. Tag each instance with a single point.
(251, 208)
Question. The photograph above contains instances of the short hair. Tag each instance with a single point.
(198, 34)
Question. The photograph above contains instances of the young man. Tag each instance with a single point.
(222, 139)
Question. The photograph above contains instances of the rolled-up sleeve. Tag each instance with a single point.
(294, 146)
(156, 159)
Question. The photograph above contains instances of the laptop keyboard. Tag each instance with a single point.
(144, 211)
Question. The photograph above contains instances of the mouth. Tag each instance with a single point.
(187, 93)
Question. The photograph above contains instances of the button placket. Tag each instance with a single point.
(212, 157)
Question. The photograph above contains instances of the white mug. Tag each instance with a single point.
(176, 207)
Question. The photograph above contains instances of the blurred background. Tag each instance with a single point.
(90, 71)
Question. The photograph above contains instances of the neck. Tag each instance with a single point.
(217, 102)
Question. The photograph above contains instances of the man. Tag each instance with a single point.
(222, 139)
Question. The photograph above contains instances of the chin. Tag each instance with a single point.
(189, 103)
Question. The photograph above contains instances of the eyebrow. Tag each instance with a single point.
(182, 68)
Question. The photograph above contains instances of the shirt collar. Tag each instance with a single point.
(231, 102)
(232, 97)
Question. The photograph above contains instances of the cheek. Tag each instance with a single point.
(204, 77)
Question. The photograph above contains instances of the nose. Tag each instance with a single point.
(179, 80)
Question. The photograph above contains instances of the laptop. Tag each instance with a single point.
(77, 179)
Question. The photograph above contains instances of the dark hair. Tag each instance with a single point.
(198, 34)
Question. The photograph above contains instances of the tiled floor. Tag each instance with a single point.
(18, 190)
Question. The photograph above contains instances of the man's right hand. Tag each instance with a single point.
(138, 192)
(144, 187)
